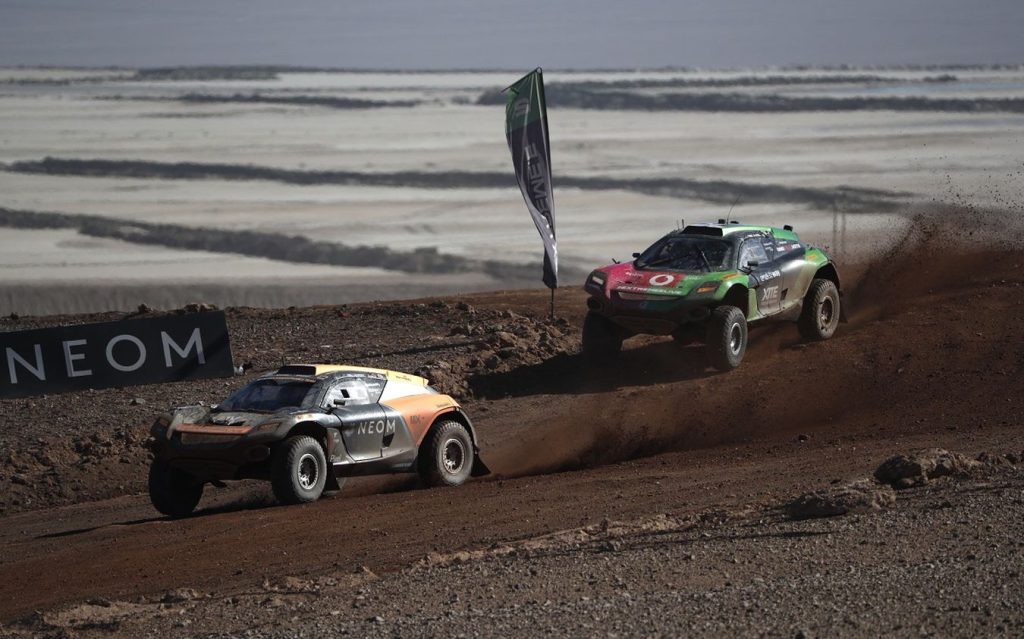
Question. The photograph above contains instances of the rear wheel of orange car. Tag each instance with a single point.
(173, 492)
(298, 470)
(446, 455)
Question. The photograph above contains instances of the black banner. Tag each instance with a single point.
(125, 353)
(526, 127)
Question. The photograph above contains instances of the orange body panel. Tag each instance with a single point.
(213, 429)
(420, 411)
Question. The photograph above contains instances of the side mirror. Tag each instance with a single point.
(752, 264)
(636, 255)
(340, 402)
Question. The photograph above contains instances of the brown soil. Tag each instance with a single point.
(929, 359)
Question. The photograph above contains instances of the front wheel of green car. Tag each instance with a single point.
(726, 337)
(298, 470)
(173, 492)
(820, 315)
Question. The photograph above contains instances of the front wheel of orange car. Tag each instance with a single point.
(446, 456)
(173, 492)
(298, 470)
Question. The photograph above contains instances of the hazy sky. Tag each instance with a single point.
(425, 34)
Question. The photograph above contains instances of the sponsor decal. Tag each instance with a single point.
(663, 279)
(769, 294)
(376, 427)
(124, 353)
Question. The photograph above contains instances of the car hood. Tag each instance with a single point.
(205, 416)
(626, 278)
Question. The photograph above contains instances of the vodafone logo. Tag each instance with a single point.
(662, 280)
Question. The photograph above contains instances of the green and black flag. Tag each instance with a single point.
(526, 127)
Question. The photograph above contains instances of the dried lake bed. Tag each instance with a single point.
(417, 162)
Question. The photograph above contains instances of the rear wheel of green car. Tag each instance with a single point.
(602, 339)
(298, 470)
(820, 315)
(726, 337)
(173, 492)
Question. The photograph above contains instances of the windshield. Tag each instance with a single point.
(270, 395)
(681, 253)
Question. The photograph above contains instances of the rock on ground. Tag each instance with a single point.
(856, 497)
(919, 467)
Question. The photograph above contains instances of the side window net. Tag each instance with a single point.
(753, 250)
(348, 392)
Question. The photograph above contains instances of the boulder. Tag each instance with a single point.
(919, 467)
(857, 497)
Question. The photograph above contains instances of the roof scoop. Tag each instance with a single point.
(299, 369)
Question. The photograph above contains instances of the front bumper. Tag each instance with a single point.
(651, 315)
(210, 456)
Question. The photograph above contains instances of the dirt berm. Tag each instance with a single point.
(931, 358)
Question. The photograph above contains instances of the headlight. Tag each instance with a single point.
(597, 278)
(264, 428)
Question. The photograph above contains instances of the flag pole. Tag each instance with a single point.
(552, 303)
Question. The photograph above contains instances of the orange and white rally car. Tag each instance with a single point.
(306, 428)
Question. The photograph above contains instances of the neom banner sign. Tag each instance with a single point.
(125, 353)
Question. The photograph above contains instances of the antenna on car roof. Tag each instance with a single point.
(731, 207)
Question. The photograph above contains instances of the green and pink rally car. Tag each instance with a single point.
(706, 283)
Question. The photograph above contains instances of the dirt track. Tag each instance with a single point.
(929, 359)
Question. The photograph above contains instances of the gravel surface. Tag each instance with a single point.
(945, 559)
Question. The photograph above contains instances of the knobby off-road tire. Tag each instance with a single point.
(446, 456)
(820, 315)
(602, 340)
(298, 470)
(726, 337)
(173, 492)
